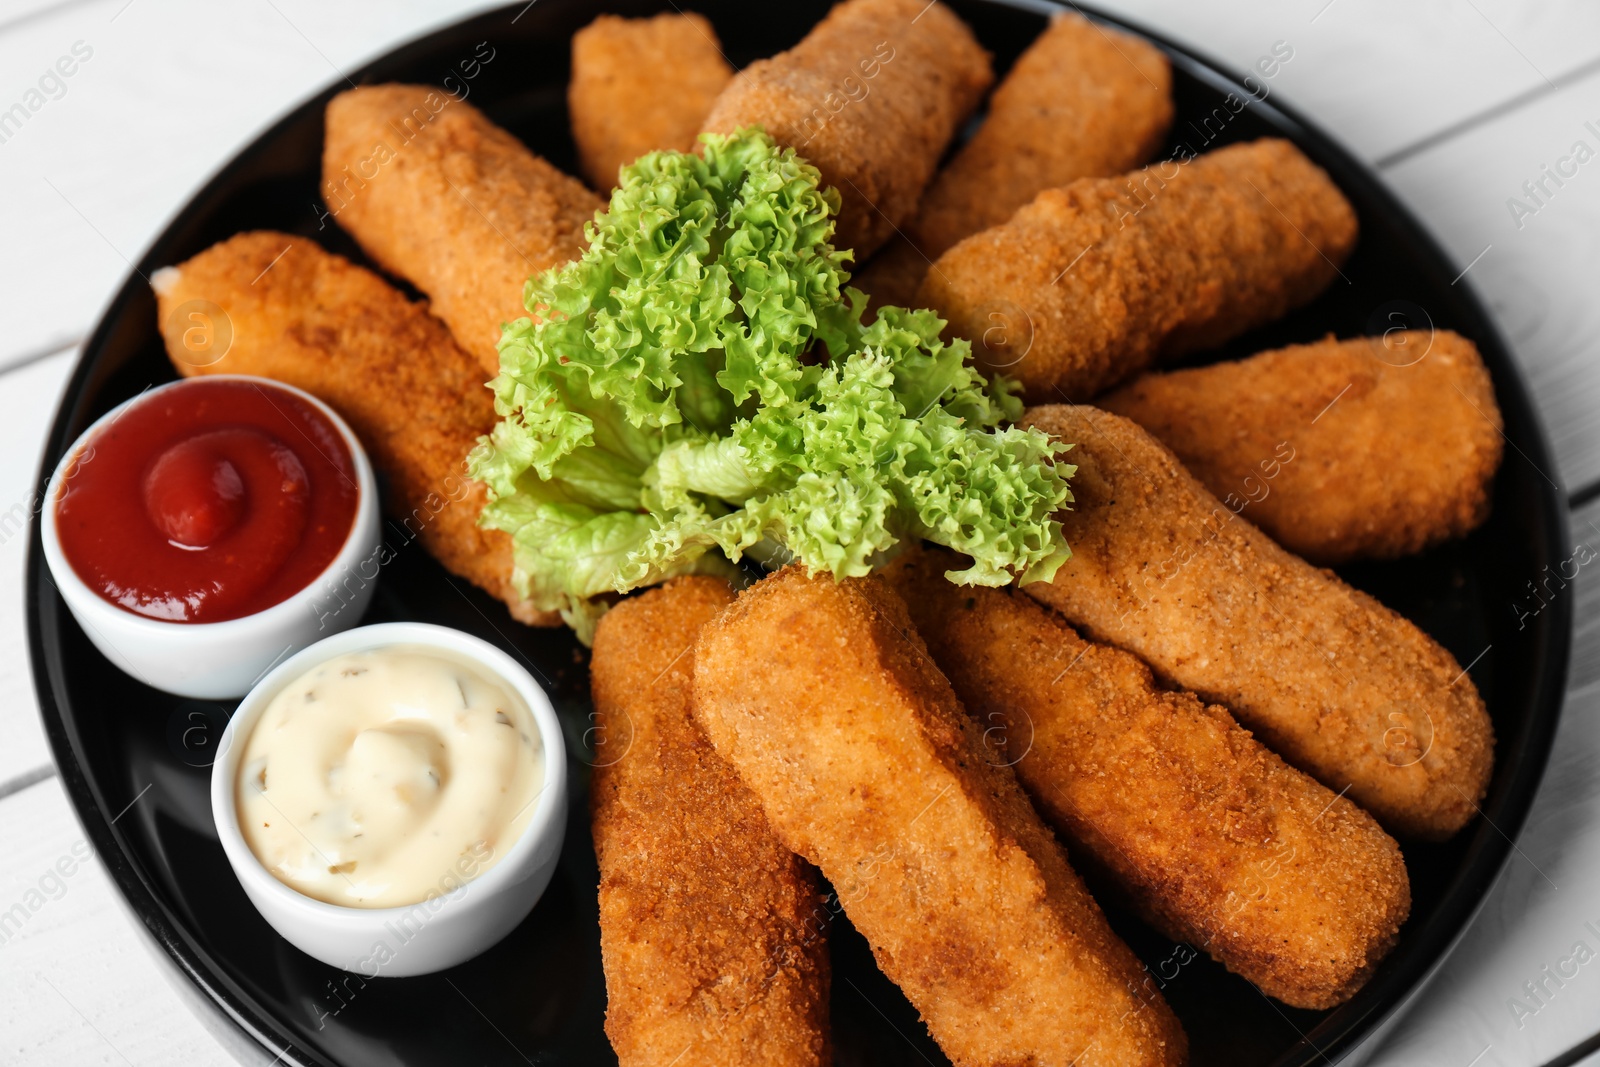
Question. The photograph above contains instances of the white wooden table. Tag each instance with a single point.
(1457, 103)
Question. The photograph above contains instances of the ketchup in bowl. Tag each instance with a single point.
(207, 501)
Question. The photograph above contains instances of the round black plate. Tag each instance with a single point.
(540, 996)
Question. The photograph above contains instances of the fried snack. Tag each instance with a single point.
(1083, 101)
(824, 699)
(1100, 278)
(1334, 682)
(713, 935)
(1104, 96)
(437, 194)
(871, 96)
(314, 320)
(1364, 449)
(639, 85)
(1214, 839)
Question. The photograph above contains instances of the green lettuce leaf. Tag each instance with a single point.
(699, 385)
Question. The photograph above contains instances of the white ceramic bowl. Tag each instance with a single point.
(221, 660)
(437, 933)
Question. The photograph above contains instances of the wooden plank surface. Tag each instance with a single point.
(76, 983)
(1461, 100)
(28, 398)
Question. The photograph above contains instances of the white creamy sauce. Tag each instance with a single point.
(377, 778)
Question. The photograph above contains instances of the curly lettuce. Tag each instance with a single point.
(700, 379)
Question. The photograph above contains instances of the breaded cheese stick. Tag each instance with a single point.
(1082, 101)
(1215, 840)
(1370, 448)
(1102, 277)
(1105, 98)
(871, 96)
(1334, 682)
(712, 933)
(639, 85)
(311, 319)
(825, 700)
(439, 195)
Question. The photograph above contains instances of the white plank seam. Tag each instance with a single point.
(1583, 496)
(18, 783)
(43, 12)
(1576, 1053)
(1489, 114)
(54, 348)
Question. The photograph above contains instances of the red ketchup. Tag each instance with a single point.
(211, 500)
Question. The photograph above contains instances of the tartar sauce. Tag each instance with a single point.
(385, 777)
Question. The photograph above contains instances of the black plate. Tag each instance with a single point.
(539, 996)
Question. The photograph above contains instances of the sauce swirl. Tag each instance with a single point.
(207, 501)
(385, 777)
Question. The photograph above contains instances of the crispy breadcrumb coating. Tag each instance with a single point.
(1104, 97)
(825, 700)
(1370, 448)
(639, 85)
(713, 933)
(314, 320)
(1213, 838)
(1334, 682)
(1084, 101)
(436, 193)
(871, 96)
(1089, 284)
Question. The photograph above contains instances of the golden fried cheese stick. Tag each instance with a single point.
(1370, 448)
(314, 320)
(1105, 98)
(1214, 839)
(1334, 682)
(439, 195)
(824, 699)
(871, 96)
(712, 932)
(1098, 279)
(1082, 101)
(639, 85)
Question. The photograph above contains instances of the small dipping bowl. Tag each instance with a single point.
(450, 927)
(221, 660)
